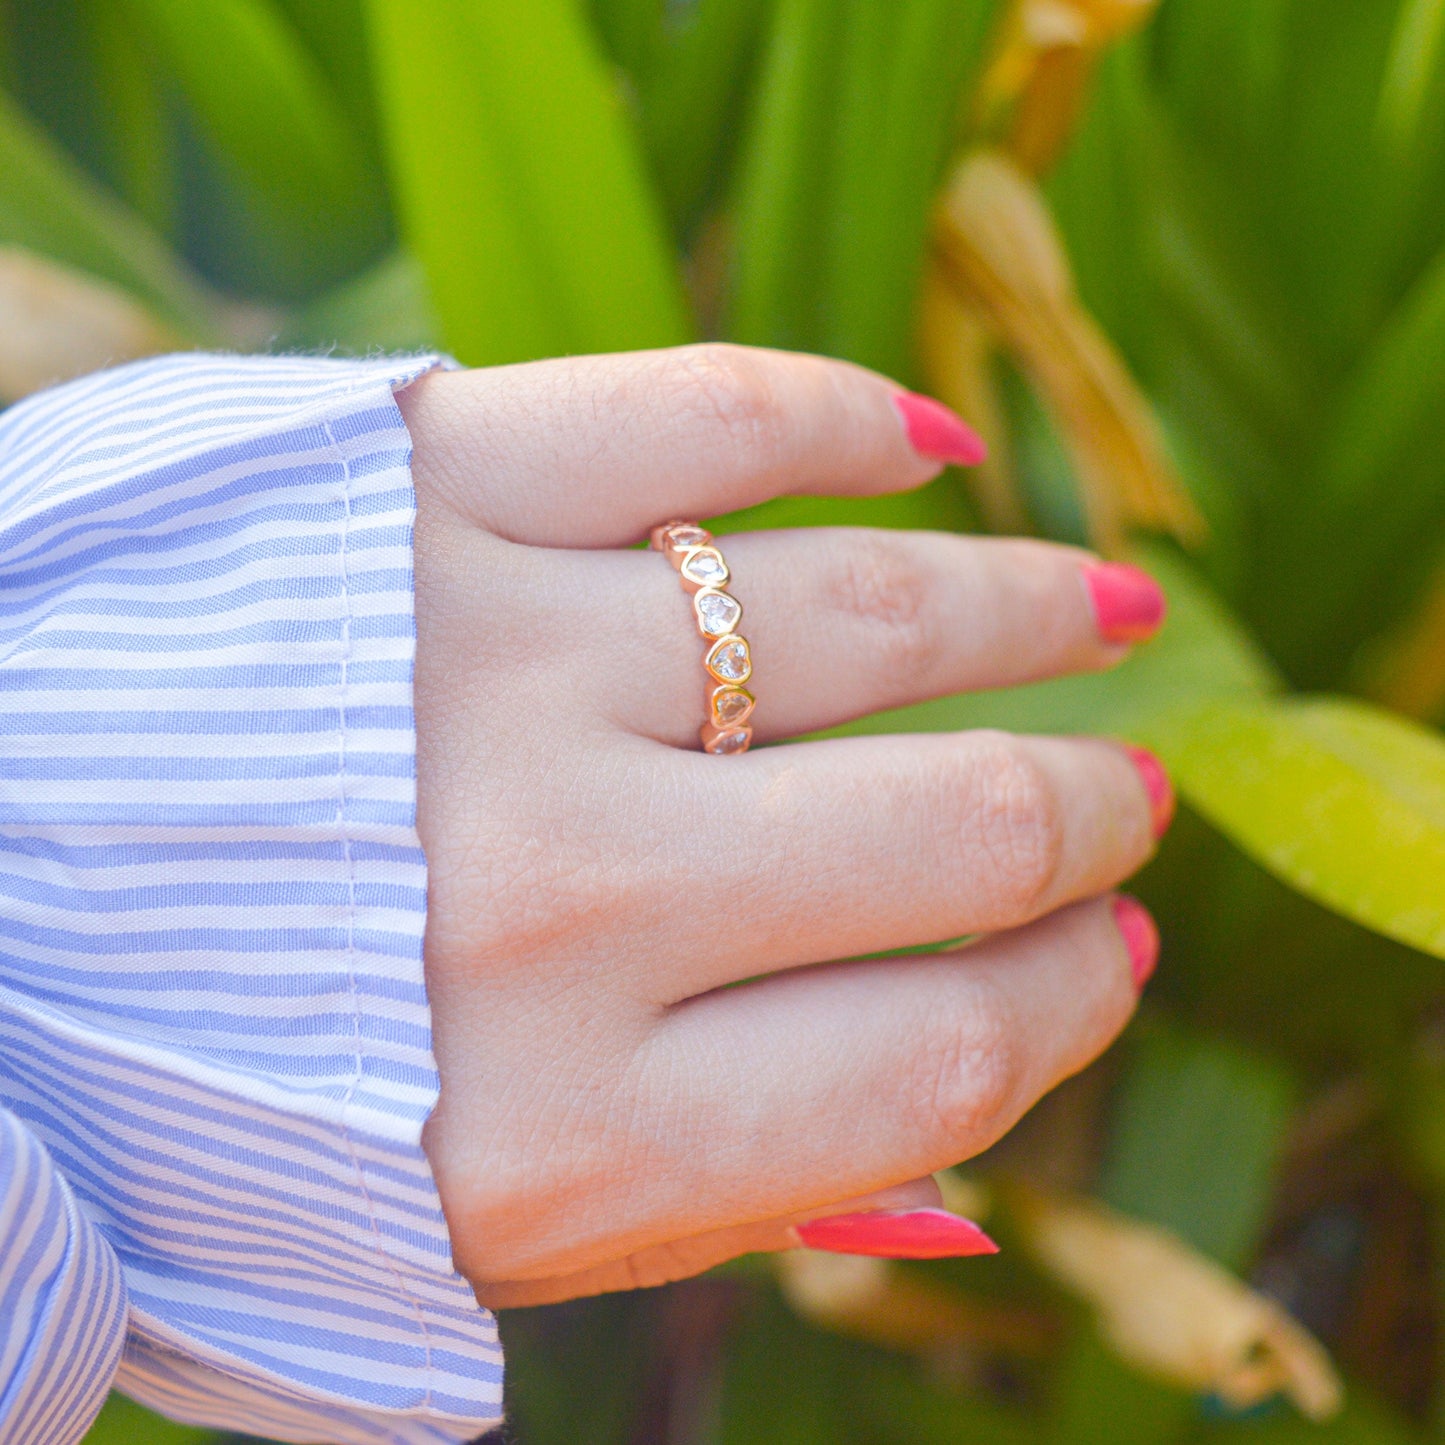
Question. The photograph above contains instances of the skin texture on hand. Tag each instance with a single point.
(613, 1113)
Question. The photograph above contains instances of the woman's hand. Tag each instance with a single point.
(613, 1113)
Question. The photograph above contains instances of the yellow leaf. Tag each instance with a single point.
(1172, 1313)
(956, 352)
(1034, 88)
(876, 1301)
(56, 323)
(997, 246)
(1105, 20)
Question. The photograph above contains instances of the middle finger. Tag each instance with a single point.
(851, 846)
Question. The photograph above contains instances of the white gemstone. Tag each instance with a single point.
(730, 661)
(681, 538)
(730, 705)
(717, 613)
(733, 742)
(705, 567)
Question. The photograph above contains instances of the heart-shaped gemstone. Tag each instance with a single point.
(735, 740)
(728, 660)
(717, 613)
(730, 705)
(704, 567)
(685, 535)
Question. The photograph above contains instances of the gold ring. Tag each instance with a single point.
(727, 660)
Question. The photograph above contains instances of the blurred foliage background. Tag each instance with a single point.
(1184, 264)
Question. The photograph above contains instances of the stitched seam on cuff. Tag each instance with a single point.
(344, 833)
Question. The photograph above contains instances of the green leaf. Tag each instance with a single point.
(269, 111)
(520, 182)
(141, 156)
(1343, 802)
(1195, 1133)
(1094, 195)
(782, 196)
(335, 31)
(575, 1372)
(1382, 439)
(631, 31)
(854, 118)
(1221, 65)
(1326, 195)
(385, 308)
(691, 101)
(904, 73)
(1414, 56)
(49, 205)
(1393, 400)
(1215, 271)
(910, 1406)
(1099, 1400)
(1362, 1422)
(785, 1383)
(123, 1422)
(1196, 1130)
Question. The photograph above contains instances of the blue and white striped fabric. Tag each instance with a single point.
(62, 1302)
(213, 1021)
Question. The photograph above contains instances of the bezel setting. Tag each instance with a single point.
(720, 654)
(726, 742)
(715, 600)
(728, 659)
(675, 539)
(729, 706)
(703, 567)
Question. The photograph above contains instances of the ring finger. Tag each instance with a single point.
(843, 622)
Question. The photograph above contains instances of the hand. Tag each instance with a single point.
(618, 1106)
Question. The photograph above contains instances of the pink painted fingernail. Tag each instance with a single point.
(938, 433)
(1141, 936)
(1158, 786)
(1129, 605)
(897, 1234)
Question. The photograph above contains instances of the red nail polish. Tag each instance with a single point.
(1141, 936)
(1157, 784)
(1129, 605)
(938, 433)
(897, 1234)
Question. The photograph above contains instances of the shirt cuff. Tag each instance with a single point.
(61, 1299)
(212, 895)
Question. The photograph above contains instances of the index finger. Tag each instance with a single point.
(592, 451)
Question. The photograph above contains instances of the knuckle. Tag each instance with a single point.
(971, 1078)
(1016, 824)
(728, 388)
(879, 584)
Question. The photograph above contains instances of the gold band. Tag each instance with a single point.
(728, 659)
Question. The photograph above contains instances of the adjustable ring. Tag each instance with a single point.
(727, 660)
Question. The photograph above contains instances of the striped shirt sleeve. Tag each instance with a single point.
(213, 1017)
(62, 1300)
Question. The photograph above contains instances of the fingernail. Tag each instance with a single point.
(1141, 936)
(1158, 786)
(938, 433)
(897, 1234)
(1129, 605)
